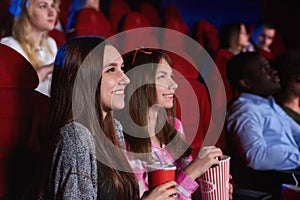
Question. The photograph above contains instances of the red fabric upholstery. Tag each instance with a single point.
(207, 36)
(183, 66)
(194, 110)
(138, 38)
(172, 12)
(58, 36)
(117, 10)
(278, 46)
(222, 56)
(64, 12)
(4, 8)
(89, 22)
(23, 122)
(150, 12)
(135, 20)
(177, 24)
(268, 55)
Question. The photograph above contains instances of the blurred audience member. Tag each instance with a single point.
(262, 38)
(288, 97)
(33, 20)
(233, 40)
(87, 19)
(264, 140)
(266, 137)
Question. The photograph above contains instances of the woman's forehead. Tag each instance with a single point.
(111, 54)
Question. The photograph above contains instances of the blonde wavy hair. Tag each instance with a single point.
(21, 32)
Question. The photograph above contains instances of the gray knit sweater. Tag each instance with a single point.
(73, 173)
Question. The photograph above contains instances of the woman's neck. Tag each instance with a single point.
(38, 36)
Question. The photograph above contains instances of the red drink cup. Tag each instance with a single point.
(158, 174)
(214, 183)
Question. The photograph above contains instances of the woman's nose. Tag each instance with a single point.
(173, 85)
(124, 80)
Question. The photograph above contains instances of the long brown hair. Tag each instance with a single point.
(141, 95)
(75, 95)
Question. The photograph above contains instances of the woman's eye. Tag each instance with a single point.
(42, 6)
(110, 70)
(161, 77)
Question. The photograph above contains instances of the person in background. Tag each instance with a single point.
(288, 97)
(87, 161)
(264, 140)
(233, 40)
(33, 20)
(262, 38)
(151, 97)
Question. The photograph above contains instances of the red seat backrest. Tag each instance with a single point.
(207, 35)
(58, 36)
(171, 11)
(194, 110)
(151, 13)
(135, 20)
(21, 120)
(137, 38)
(90, 22)
(64, 8)
(117, 10)
(222, 56)
(177, 24)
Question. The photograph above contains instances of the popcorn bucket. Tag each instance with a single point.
(214, 183)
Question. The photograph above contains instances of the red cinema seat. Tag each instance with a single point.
(90, 22)
(58, 36)
(140, 38)
(151, 13)
(177, 24)
(117, 10)
(135, 20)
(207, 36)
(23, 122)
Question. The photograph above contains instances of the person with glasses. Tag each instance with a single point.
(152, 133)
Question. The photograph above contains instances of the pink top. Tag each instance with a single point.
(185, 185)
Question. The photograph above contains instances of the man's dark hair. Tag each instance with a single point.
(236, 68)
